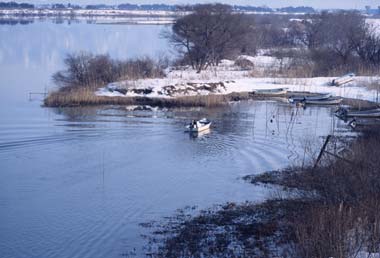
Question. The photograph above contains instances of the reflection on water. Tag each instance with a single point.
(76, 182)
(15, 21)
(37, 50)
(195, 135)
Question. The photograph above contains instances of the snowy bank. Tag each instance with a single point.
(228, 78)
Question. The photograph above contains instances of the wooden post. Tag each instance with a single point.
(322, 150)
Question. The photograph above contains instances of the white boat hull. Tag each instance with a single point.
(324, 102)
(312, 98)
(272, 92)
(200, 129)
(203, 125)
(343, 80)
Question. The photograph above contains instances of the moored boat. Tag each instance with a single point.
(371, 113)
(354, 123)
(278, 91)
(343, 80)
(198, 126)
(329, 101)
(322, 96)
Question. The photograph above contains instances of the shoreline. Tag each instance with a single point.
(338, 194)
(57, 99)
(184, 86)
(75, 99)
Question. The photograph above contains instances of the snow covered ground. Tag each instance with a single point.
(99, 19)
(89, 12)
(104, 16)
(367, 255)
(229, 78)
(375, 23)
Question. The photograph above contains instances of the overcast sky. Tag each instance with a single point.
(344, 4)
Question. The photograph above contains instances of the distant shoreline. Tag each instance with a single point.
(72, 13)
(102, 17)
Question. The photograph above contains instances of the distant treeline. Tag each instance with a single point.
(14, 5)
(290, 9)
(154, 7)
(164, 7)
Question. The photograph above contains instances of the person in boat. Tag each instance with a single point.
(193, 124)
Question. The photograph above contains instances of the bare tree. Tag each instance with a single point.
(271, 31)
(339, 32)
(368, 48)
(333, 39)
(87, 70)
(212, 32)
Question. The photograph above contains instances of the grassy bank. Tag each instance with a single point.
(87, 97)
(332, 210)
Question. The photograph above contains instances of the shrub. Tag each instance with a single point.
(92, 71)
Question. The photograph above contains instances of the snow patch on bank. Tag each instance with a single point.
(227, 78)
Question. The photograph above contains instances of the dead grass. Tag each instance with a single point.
(334, 212)
(86, 97)
(306, 69)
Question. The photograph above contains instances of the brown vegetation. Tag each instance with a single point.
(334, 212)
(84, 73)
(319, 44)
(336, 43)
(84, 70)
(86, 97)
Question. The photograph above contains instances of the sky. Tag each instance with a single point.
(320, 4)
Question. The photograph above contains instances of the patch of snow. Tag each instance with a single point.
(263, 61)
(227, 78)
(189, 83)
(89, 12)
(368, 255)
(375, 24)
(108, 92)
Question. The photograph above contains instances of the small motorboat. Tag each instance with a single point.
(274, 92)
(198, 126)
(329, 101)
(369, 122)
(322, 96)
(371, 113)
(343, 80)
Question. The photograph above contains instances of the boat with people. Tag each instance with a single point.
(370, 113)
(197, 126)
(274, 92)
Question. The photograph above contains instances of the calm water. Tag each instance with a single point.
(77, 182)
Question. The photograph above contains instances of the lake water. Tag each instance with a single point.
(76, 182)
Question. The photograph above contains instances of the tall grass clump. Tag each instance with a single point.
(87, 97)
